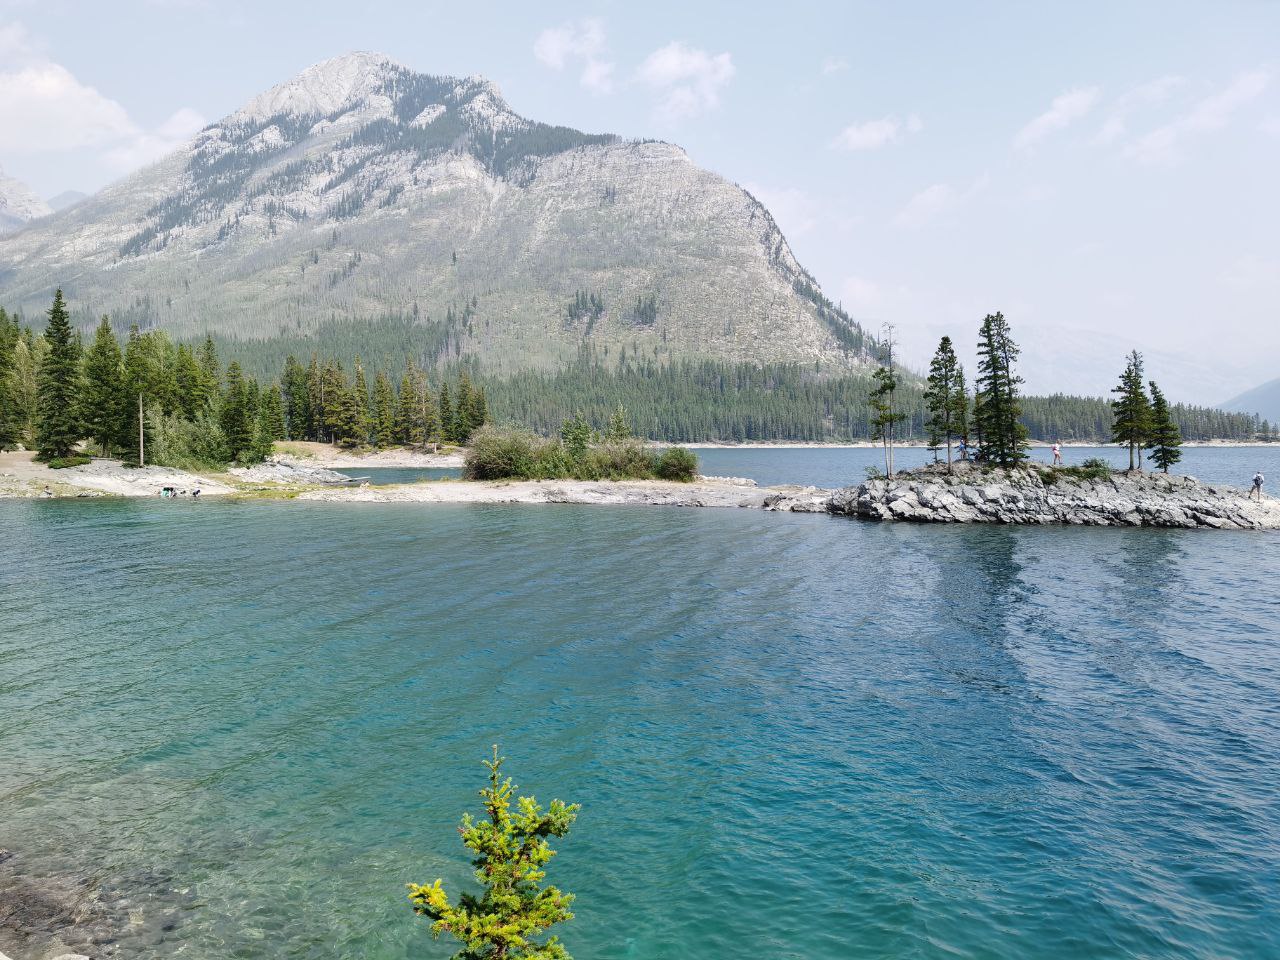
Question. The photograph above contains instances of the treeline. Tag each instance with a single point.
(154, 401)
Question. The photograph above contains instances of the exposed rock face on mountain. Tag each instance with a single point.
(18, 204)
(361, 190)
(1023, 496)
(1263, 400)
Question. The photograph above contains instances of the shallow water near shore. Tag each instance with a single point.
(793, 736)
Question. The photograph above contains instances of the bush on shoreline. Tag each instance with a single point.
(509, 454)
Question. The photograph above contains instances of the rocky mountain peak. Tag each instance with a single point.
(330, 86)
(18, 204)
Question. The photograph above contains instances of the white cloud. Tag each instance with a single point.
(1065, 109)
(1162, 145)
(874, 134)
(792, 208)
(1145, 95)
(834, 65)
(44, 108)
(935, 200)
(688, 80)
(582, 41)
(145, 148)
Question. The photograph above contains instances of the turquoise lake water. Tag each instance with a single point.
(793, 736)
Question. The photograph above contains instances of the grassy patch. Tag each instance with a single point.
(61, 463)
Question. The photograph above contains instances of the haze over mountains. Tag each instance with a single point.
(361, 190)
(18, 204)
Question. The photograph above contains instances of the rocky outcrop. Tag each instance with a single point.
(1045, 496)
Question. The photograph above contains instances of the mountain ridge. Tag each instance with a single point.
(19, 204)
(361, 190)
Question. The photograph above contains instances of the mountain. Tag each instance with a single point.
(18, 204)
(1263, 400)
(67, 198)
(423, 210)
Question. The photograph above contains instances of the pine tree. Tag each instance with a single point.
(885, 415)
(1165, 437)
(297, 402)
(409, 404)
(619, 428)
(10, 415)
(210, 372)
(447, 425)
(57, 423)
(192, 395)
(235, 415)
(1131, 412)
(315, 401)
(384, 411)
(997, 412)
(945, 397)
(512, 852)
(360, 398)
(104, 403)
(462, 411)
(271, 413)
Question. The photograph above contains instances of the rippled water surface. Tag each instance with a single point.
(792, 736)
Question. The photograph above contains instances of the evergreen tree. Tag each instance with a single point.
(104, 403)
(316, 401)
(360, 397)
(961, 412)
(463, 410)
(57, 423)
(28, 354)
(885, 414)
(384, 412)
(447, 425)
(10, 418)
(945, 397)
(193, 397)
(1131, 411)
(271, 413)
(409, 405)
(297, 402)
(210, 373)
(1165, 438)
(341, 418)
(1003, 437)
(236, 414)
(619, 428)
(511, 854)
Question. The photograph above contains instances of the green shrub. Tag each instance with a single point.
(506, 454)
(1095, 468)
(677, 463)
(61, 463)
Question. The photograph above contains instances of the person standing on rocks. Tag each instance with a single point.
(1258, 480)
(1057, 454)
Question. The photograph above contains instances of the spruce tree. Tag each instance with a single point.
(271, 413)
(448, 427)
(210, 372)
(885, 415)
(10, 417)
(997, 413)
(384, 412)
(408, 429)
(236, 415)
(945, 398)
(507, 920)
(360, 398)
(1165, 438)
(1131, 411)
(297, 402)
(57, 422)
(104, 403)
(619, 428)
(193, 398)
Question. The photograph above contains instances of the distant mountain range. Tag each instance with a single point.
(1263, 400)
(19, 204)
(363, 193)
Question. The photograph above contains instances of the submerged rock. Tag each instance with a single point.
(1034, 495)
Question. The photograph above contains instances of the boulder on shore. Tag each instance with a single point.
(1040, 495)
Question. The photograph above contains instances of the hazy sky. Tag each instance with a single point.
(1105, 174)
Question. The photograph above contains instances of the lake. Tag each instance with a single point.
(793, 736)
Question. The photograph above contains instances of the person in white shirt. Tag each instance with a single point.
(1057, 454)
(1258, 479)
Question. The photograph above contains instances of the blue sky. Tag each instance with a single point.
(1104, 173)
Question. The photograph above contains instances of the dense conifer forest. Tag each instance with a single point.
(216, 401)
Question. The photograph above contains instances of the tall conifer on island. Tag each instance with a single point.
(237, 416)
(505, 921)
(57, 416)
(1165, 437)
(945, 397)
(103, 401)
(1131, 411)
(409, 425)
(885, 415)
(996, 410)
